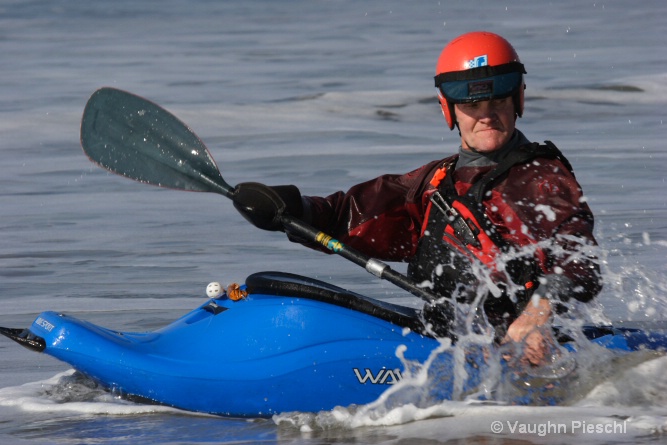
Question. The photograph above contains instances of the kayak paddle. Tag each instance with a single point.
(133, 137)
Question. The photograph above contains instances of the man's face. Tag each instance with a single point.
(485, 126)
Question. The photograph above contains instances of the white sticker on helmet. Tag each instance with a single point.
(478, 61)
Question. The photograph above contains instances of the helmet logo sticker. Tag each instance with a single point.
(477, 62)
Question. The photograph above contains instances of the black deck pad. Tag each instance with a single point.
(291, 285)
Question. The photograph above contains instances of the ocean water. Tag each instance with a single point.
(322, 94)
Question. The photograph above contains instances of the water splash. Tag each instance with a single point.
(598, 379)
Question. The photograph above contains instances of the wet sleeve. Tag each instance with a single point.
(381, 218)
(557, 214)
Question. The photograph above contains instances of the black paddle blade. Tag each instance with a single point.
(133, 137)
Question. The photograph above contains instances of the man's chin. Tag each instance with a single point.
(491, 142)
(488, 148)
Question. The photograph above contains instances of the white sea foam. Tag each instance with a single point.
(625, 403)
(64, 393)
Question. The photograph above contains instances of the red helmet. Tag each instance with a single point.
(478, 66)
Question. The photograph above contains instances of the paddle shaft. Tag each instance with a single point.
(372, 266)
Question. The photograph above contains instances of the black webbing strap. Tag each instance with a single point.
(479, 73)
(519, 155)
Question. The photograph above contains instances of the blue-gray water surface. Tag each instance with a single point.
(322, 94)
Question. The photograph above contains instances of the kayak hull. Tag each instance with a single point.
(271, 352)
(260, 356)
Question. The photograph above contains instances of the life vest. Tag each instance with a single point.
(458, 242)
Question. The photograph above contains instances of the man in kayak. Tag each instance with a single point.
(501, 225)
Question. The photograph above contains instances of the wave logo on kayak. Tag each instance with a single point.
(47, 326)
(382, 377)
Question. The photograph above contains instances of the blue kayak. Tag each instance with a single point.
(293, 344)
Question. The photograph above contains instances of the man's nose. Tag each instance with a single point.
(486, 111)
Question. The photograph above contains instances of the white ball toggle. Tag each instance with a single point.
(214, 290)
